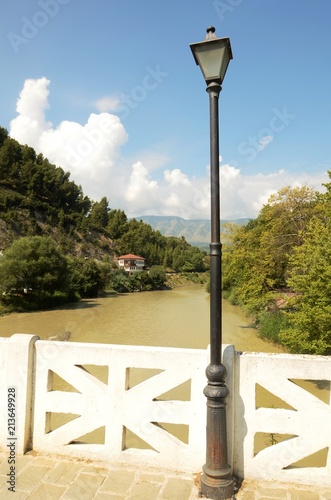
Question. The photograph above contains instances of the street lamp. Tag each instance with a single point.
(213, 56)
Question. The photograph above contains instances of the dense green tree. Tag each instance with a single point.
(98, 217)
(120, 281)
(117, 223)
(256, 256)
(157, 276)
(86, 277)
(33, 266)
(3, 135)
(10, 158)
(310, 319)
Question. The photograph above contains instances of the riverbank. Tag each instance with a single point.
(20, 305)
(175, 280)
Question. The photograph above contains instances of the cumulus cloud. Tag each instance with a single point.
(176, 177)
(92, 153)
(31, 106)
(141, 190)
(88, 151)
(108, 104)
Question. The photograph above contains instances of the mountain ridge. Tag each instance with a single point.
(195, 231)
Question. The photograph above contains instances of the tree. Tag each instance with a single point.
(157, 276)
(98, 217)
(117, 223)
(310, 320)
(120, 281)
(10, 158)
(33, 266)
(256, 256)
(3, 135)
(86, 277)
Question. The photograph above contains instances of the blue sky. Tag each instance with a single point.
(109, 90)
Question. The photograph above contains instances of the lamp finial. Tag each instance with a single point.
(210, 33)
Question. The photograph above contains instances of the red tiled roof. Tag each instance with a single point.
(130, 256)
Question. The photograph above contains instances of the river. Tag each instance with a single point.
(170, 318)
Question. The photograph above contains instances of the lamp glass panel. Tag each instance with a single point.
(225, 64)
(210, 61)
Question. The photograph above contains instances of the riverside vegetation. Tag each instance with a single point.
(278, 268)
(57, 245)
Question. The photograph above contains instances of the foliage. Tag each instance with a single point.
(158, 250)
(30, 181)
(144, 281)
(86, 277)
(271, 323)
(157, 277)
(98, 217)
(285, 251)
(117, 223)
(32, 267)
(36, 198)
(310, 322)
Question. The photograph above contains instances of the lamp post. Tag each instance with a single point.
(213, 56)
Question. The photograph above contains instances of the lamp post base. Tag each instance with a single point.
(216, 481)
(217, 489)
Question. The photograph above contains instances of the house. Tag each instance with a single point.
(131, 263)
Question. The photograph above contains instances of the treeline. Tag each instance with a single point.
(58, 245)
(278, 268)
(132, 236)
(30, 182)
(37, 198)
(35, 273)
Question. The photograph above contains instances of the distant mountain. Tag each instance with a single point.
(195, 231)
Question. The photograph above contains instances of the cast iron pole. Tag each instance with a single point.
(216, 482)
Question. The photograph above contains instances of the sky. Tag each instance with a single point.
(109, 91)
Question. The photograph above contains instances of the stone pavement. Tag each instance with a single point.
(41, 477)
(263, 490)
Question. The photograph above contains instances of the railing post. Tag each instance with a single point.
(17, 370)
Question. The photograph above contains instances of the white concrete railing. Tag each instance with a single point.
(117, 404)
(296, 421)
(102, 392)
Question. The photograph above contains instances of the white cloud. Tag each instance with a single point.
(176, 177)
(88, 151)
(108, 104)
(31, 105)
(91, 152)
(141, 191)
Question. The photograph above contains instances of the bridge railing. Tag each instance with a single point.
(145, 405)
(282, 425)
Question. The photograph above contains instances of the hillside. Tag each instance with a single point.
(38, 198)
(195, 231)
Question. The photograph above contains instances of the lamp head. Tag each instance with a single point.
(213, 56)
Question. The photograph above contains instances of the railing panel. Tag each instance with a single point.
(297, 426)
(118, 404)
